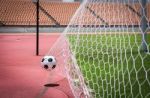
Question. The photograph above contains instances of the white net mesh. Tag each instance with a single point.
(105, 50)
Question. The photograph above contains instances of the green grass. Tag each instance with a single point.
(113, 65)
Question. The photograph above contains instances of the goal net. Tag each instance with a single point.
(104, 51)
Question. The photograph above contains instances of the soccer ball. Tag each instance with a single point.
(48, 62)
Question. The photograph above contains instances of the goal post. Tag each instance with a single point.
(144, 24)
(100, 50)
(37, 26)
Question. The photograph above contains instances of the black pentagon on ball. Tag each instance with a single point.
(46, 66)
(42, 60)
(50, 59)
(53, 66)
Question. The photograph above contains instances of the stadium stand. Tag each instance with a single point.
(134, 9)
(23, 12)
(137, 8)
(64, 11)
(17, 12)
(126, 17)
(148, 12)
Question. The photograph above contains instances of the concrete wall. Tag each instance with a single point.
(30, 29)
(68, 0)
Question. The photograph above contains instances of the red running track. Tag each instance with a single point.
(20, 73)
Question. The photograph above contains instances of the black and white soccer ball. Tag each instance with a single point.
(48, 62)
